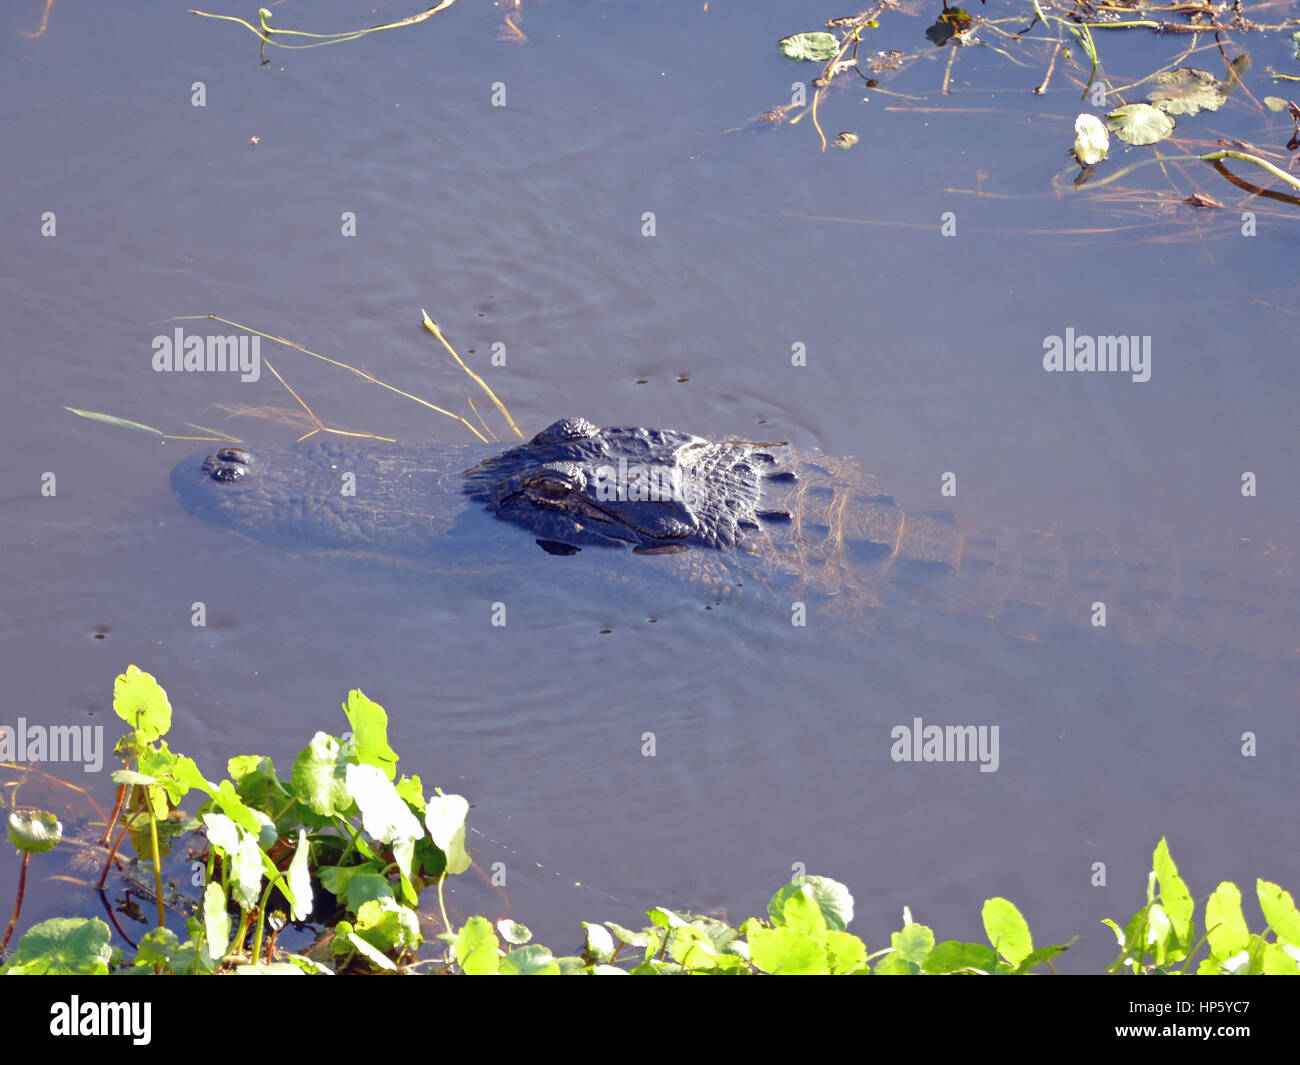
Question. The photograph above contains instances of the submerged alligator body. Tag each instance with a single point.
(574, 486)
(733, 515)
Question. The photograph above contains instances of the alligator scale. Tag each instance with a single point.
(731, 515)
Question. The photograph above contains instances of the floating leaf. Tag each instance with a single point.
(1186, 91)
(817, 47)
(34, 831)
(1275, 103)
(1140, 124)
(62, 946)
(1091, 142)
(955, 23)
(518, 934)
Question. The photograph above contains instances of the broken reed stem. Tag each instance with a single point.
(360, 373)
(432, 327)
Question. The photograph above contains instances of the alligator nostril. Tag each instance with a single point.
(228, 464)
(227, 473)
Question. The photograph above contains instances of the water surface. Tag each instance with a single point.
(522, 226)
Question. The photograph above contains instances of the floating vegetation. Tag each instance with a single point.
(812, 46)
(272, 35)
(1140, 124)
(341, 847)
(1186, 91)
(1054, 49)
(1091, 142)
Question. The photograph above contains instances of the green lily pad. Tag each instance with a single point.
(1186, 91)
(36, 831)
(817, 47)
(1140, 124)
(514, 932)
(62, 946)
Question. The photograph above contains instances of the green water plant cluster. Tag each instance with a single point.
(345, 846)
(1043, 41)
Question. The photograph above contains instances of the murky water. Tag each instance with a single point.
(522, 226)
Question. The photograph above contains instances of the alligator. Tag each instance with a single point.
(729, 515)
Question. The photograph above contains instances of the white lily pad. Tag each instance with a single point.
(1091, 142)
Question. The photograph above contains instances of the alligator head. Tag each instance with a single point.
(654, 490)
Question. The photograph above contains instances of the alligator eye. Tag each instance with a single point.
(552, 487)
